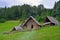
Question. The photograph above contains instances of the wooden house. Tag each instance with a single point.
(31, 23)
(51, 21)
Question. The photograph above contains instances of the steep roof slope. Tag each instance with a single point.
(53, 20)
(32, 19)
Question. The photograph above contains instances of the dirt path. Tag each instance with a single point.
(13, 21)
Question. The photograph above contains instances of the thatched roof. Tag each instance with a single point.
(47, 23)
(16, 28)
(53, 20)
(32, 19)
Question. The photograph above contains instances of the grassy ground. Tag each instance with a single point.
(44, 33)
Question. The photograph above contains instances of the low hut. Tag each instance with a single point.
(51, 21)
(31, 23)
(17, 28)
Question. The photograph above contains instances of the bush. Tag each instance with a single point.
(2, 20)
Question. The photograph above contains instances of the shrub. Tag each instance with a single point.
(2, 20)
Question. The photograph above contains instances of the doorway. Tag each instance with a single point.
(31, 26)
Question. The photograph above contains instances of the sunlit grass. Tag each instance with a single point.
(44, 33)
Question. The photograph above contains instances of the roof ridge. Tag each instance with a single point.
(33, 19)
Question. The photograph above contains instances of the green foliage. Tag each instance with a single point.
(2, 20)
(56, 10)
(24, 11)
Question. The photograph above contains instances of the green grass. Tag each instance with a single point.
(44, 33)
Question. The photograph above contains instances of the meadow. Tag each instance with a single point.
(44, 33)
